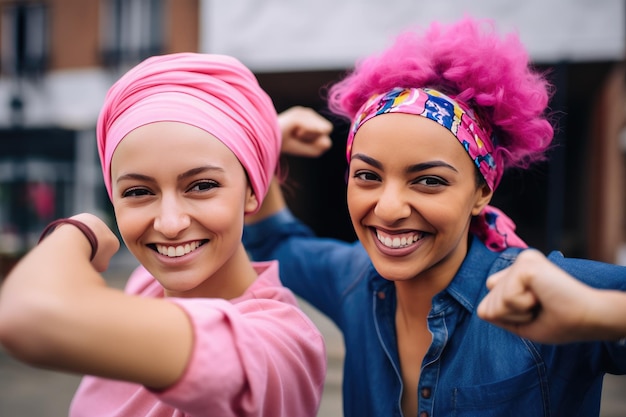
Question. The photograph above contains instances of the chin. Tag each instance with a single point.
(393, 272)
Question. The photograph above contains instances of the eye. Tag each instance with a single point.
(136, 192)
(430, 181)
(204, 185)
(366, 176)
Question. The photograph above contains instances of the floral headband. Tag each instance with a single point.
(458, 118)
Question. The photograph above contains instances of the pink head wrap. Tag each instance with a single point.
(216, 93)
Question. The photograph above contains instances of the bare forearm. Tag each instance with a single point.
(57, 312)
(607, 319)
(47, 282)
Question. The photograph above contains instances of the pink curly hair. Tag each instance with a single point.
(469, 61)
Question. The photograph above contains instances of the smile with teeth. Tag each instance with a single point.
(396, 242)
(180, 250)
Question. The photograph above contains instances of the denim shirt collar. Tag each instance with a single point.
(468, 285)
(467, 288)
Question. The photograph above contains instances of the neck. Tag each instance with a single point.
(229, 282)
(415, 298)
(415, 295)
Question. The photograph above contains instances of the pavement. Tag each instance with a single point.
(31, 392)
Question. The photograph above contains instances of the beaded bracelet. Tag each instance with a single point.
(89, 234)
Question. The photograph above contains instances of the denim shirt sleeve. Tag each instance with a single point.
(320, 270)
(611, 355)
(596, 274)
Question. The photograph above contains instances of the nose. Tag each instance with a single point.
(392, 204)
(172, 218)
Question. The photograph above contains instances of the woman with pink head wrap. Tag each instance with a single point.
(188, 144)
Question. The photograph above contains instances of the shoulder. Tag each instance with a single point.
(594, 273)
(481, 258)
(479, 263)
(141, 282)
(267, 303)
(268, 285)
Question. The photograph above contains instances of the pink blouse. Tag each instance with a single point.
(256, 355)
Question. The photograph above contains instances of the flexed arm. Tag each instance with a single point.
(57, 312)
(305, 133)
(537, 300)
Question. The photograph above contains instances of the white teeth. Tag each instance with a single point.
(397, 242)
(175, 251)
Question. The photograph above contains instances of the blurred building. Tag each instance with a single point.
(58, 58)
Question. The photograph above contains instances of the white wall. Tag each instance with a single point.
(274, 35)
(70, 99)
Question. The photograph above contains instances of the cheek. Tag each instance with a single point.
(131, 222)
(221, 219)
(448, 213)
(226, 215)
(357, 201)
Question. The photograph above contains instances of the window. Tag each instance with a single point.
(24, 45)
(132, 31)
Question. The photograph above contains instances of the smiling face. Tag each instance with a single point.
(411, 194)
(179, 196)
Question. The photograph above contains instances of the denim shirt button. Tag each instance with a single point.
(425, 392)
(423, 414)
(381, 295)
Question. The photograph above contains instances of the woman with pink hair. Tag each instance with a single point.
(436, 119)
(188, 144)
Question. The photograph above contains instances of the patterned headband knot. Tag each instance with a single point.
(475, 137)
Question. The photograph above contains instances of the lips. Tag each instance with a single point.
(398, 241)
(397, 244)
(175, 251)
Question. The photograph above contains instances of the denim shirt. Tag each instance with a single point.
(472, 368)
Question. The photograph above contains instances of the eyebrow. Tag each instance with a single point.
(422, 166)
(190, 173)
